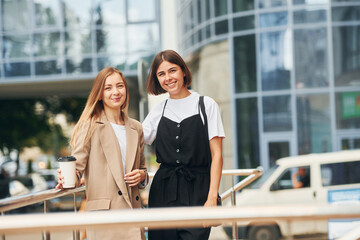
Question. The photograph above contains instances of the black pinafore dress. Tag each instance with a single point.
(183, 179)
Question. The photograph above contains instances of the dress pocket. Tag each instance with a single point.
(98, 204)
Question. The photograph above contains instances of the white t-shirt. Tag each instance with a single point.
(180, 109)
(120, 132)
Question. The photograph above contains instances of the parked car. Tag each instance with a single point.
(326, 173)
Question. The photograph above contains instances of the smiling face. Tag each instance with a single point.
(171, 79)
(114, 93)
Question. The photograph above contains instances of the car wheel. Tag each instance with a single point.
(264, 233)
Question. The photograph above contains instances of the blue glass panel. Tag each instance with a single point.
(220, 7)
(310, 2)
(277, 113)
(276, 60)
(273, 19)
(47, 44)
(111, 40)
(48, 67)
(114, 61)
(244, 23)
(17, 69)
(16, 15)
(271, 3)
(242, 5)
(47, 13)
(148, 40)
(346, 13)
(16, 46)
(309, 16)
(110, 12)
(141, 10)
(78, 42)
(76, 65)
(221, 27)
(311, 64)
(77, 13)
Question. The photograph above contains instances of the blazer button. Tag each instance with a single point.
(137, 198)
(119, 192)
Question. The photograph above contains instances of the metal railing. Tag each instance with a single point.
(13, 203)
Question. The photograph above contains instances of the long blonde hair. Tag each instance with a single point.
(94, 106)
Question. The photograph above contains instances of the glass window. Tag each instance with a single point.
(146, 41)
(244, 23)
(340, 173)
(110, 12)
(111, 40)
(16, 46)
(293, 178)
(348, 110)
(242, 5)
(346, 13)
(273, 19)
(313, 123)
(221, 27)
(47, 13)
(79, 65)
(297, 2)
(47, 44)
(77, 13)
(245, 64)
(78, 42)
(115, 61)
(199, 11)
(309, 16)
(311, 65)
(247, 133)
(207, 9)
(346, 51)
(48, 67)
(220, 7)
(276, 60)
(277, 150)
(277, 113)
(16, 15)
(141, 10)
(17, 69)
(272, 3)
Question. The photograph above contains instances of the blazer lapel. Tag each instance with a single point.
(112, 153)
(131, 143)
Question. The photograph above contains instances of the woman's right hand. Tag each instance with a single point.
(60, 180)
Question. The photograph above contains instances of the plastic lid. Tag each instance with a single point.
(67, 159)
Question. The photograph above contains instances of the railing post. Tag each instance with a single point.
(76, 233)
(2, 235)
(45, 234)
(235, 234)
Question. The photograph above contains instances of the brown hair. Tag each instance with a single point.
(153, 85)
(94, 106)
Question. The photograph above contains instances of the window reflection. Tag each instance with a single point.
(247, 133)
(220, 7)
(346, 13)
(311, 67)
(245, 64)
(47, 13)
(146, 41)
(111, 12)
(296, 2)
(111, 40)
(346, 53)
(16, 15)
(309, 16)
(244, 23)
(117, 62)
(78, 65)
(277, 113)
(271, 3)
(242, 5)
(77, 13)
(276, 60)
(16, 46)
(141, 10)
(348, 110)
(273, 19)
(78, 42)
(47, 44)
(221, 27)
(48, 67)
(313, 123)
(17, 69)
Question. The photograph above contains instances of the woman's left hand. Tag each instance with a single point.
(210, 202)
(135, 177)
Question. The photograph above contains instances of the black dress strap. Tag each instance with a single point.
(164, 108)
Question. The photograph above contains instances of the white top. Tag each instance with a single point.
(120, 132)
(180, 109)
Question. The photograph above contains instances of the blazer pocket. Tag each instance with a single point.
(99, 204)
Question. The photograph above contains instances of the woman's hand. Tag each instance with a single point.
(134, 177)
(210, 202)
(60, 180)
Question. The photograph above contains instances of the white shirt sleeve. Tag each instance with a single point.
(215, 125)
(151, 122)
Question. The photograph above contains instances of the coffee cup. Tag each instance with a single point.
(67, 167)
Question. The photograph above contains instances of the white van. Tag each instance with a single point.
(322, 173)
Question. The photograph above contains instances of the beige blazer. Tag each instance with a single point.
(100, 161)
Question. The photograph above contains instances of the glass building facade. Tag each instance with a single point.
(73, 39)
(295, 72)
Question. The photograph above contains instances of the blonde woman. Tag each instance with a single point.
(109, 151)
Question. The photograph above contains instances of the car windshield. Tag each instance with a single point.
(260, 181)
